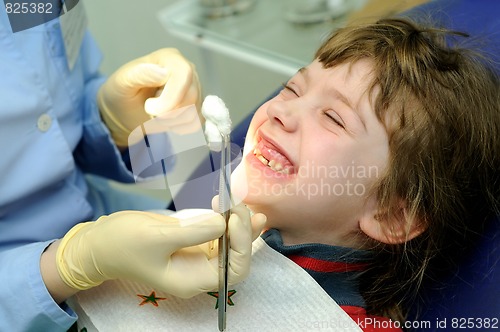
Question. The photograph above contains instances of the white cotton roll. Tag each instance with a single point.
(215, 111)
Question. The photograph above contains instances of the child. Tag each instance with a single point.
(412, 126)
(376, 163)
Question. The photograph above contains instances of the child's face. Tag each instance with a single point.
(312, 153)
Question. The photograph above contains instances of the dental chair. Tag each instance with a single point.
(470, 296)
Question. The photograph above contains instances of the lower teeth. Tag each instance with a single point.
(272, 165)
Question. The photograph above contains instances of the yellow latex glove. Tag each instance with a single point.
(160, 251)
(152, 85)
(240, 243)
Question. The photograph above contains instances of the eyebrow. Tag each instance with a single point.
(338, 95)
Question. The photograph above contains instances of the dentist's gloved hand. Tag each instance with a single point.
(150, 248)
(152, 85)
(240, 242)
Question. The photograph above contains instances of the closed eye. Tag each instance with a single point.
(333, 116)
(288, 88)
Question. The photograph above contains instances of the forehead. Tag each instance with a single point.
(358, 73)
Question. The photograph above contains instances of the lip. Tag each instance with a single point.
(275, 145)
(266, 170)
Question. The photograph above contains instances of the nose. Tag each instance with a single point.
(283, 114)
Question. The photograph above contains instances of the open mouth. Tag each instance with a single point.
(271, 157)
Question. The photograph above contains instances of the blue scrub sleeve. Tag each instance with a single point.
(96, 153)
(21, 266)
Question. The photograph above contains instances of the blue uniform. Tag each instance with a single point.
(51, 134)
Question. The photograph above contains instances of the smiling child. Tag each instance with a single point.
(378, 162)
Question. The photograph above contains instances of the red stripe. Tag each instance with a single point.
(319, 265)
(370, 323)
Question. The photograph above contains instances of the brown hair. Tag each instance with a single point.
(440, 105)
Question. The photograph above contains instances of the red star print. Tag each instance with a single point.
(151, 298)
(229, 294)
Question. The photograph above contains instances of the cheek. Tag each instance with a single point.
(337, 171)
(260, 114)
(259, 117)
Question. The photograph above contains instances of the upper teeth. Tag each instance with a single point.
(273, 164)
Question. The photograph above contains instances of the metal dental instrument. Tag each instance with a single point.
(218, 128)
(225, 208)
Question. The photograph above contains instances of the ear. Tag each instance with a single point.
(395, 229)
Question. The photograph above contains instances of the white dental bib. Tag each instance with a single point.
(278, 295)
